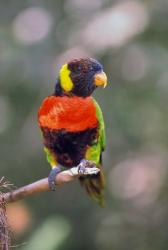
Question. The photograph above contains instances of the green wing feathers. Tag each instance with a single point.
(94, 152)
(94, 185)
(102, 136)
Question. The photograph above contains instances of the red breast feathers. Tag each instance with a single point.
(70, 113)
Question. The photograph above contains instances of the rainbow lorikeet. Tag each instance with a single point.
(72, 124)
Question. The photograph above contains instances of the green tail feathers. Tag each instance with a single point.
(94, 186)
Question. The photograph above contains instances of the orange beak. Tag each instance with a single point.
(100, 79)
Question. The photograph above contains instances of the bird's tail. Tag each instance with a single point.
(94, 186)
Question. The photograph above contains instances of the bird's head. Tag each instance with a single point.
(80, 77)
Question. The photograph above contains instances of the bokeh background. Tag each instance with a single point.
(130, 38)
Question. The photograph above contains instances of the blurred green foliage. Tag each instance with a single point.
(130, 39)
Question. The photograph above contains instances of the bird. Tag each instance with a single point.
(72, 124)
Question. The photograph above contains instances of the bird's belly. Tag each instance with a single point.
(69, 148)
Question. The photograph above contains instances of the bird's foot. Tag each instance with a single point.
(51, 177)
(86, 167)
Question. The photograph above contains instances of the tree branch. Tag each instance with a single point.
(84, 168)
(37, 187)
(42, 185)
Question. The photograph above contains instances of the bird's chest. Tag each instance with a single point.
(73, 114)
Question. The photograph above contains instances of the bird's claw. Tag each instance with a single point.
(86, 167)
(81, 169)
(91, 171)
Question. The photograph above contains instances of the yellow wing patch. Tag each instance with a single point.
(50, 158)
(65, 80)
